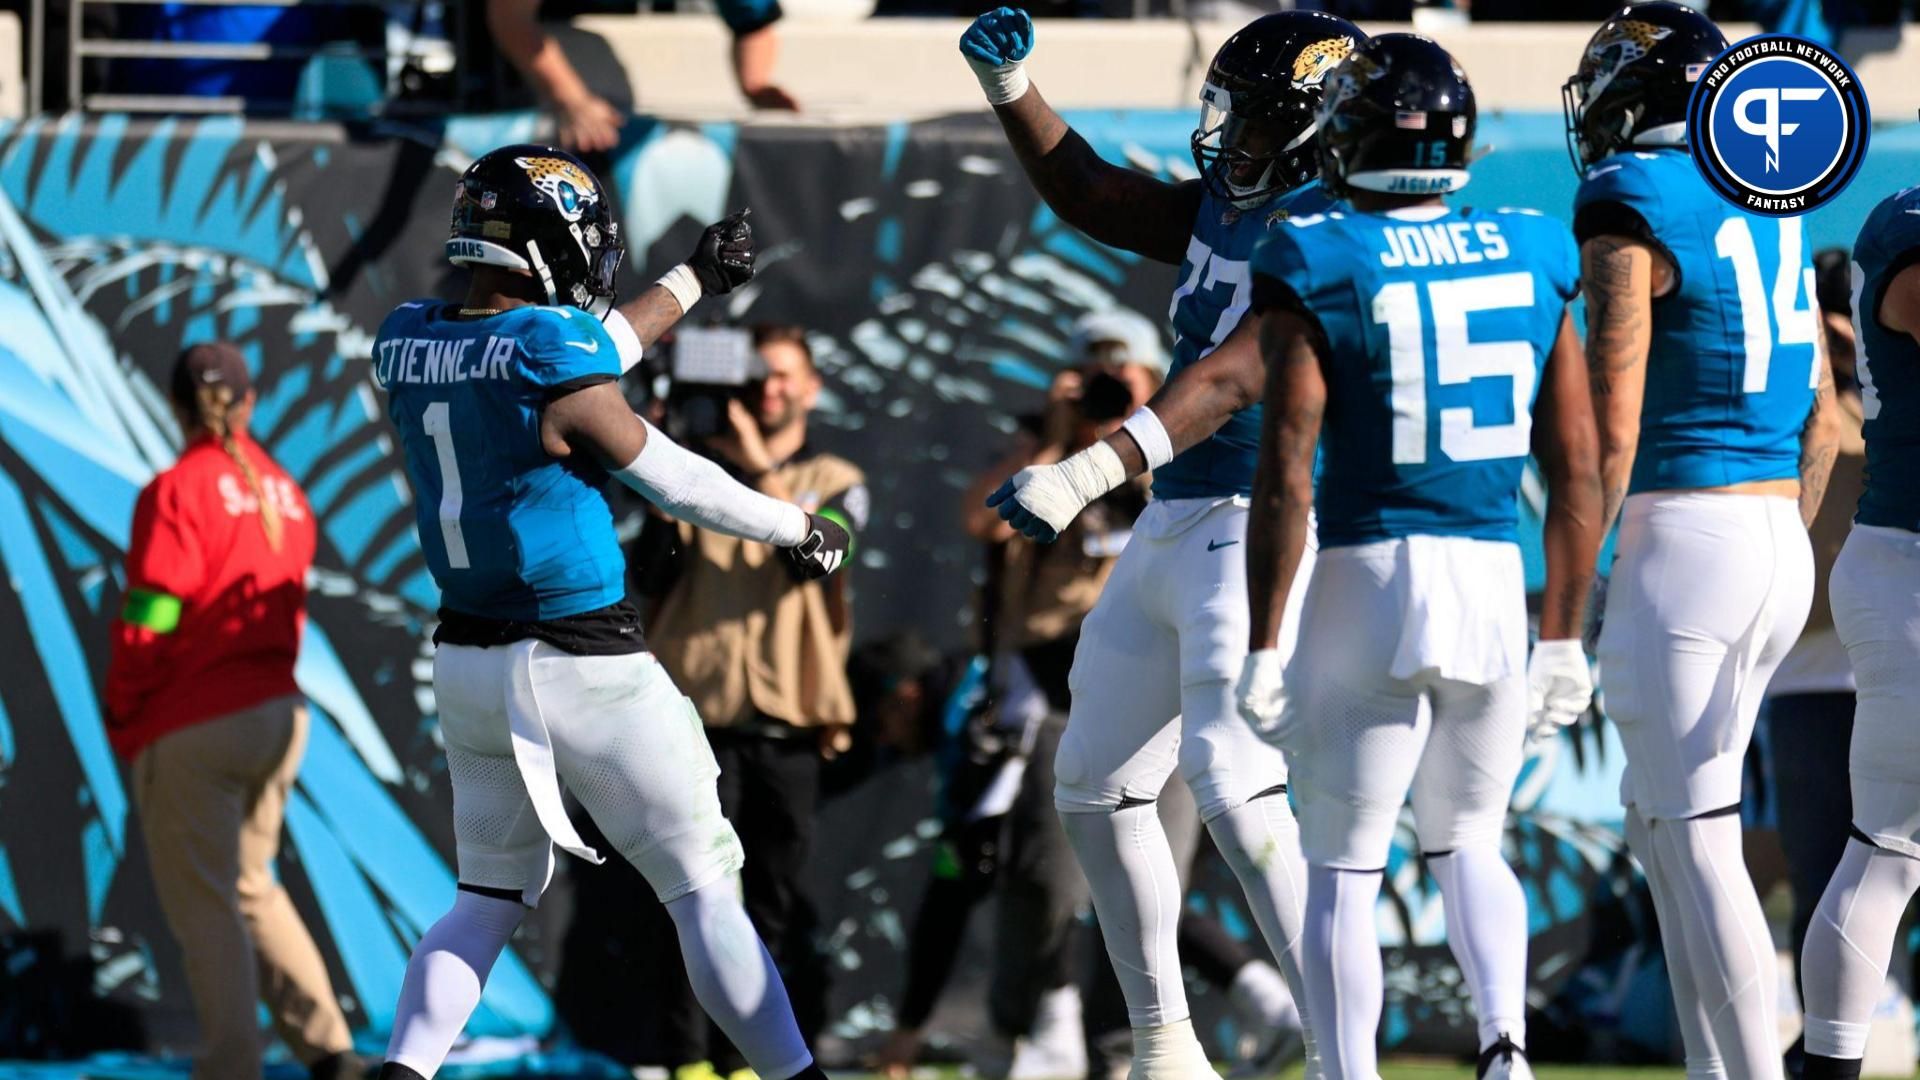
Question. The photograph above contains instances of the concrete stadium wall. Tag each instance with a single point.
(888, 69)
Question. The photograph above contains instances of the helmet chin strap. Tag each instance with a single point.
(1260, 191)
(1257, 192)
(541, 270)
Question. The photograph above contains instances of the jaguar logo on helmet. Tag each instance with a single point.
(1619, 44)
(568, 185)
(1315, 61)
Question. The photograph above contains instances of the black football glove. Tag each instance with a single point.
(822, 552)
(723, 259)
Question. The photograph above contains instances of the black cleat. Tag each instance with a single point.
(1503, 1061)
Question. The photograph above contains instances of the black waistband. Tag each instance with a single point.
(613, 630)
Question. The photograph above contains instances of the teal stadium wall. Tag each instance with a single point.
(942, 295)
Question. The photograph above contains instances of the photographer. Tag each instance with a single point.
(762, 655)
(1000, 794)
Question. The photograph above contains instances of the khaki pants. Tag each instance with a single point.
(211, 799)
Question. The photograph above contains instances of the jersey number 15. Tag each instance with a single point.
(1456, 360)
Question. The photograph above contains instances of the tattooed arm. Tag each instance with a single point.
(1296, 400)
(1820, 438)
(1567, 445)
(1618, 275)
(652, 314)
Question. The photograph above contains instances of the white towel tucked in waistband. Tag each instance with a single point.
(533, 753)
(1466, 609)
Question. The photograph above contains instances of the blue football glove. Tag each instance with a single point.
(996, 46)
(1005, 498)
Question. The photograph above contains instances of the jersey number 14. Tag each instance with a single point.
(1733, 241)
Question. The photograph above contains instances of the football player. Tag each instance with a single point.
(1875, 590)
(1165, 639)
(1408, 341)
(1717, 432)
(512, 425)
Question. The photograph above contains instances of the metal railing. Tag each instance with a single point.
(82, 48)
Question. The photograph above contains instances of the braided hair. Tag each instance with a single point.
(207, 403)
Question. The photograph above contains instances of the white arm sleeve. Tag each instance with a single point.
(626, 343)
(698, 492)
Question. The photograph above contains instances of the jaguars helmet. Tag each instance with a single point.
(538, 210)
(1634, 80)
(1255, 138)
(1398, 118)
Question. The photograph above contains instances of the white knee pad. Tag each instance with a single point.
(1086, 782)
(1076, 789)
(1223, 761)
(499, 843)
(704, 850)
(1460, 826)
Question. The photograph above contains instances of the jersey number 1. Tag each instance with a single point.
(1733, 241)
(434, 421)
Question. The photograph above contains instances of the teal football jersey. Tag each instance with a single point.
(1215, 288)
(1730, 373)
(1888, 365)
(1438, 324)
(509, 532)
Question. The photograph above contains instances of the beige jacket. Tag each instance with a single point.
(740, 636)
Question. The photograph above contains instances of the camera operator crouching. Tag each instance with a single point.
(762, 654)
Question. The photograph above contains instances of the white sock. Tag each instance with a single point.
(1136, 892)
(735, 979)
(1702, 1053)
(445, 976)
(1849, 944)
(1261, 995)
(1260, 840)
(1168, 1052)
(1341, 951)
(1726, 939)
(1487, 931)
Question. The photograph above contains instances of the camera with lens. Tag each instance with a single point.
(1103, 397)
(711, 366)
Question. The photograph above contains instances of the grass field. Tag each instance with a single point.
(1448, 1071)
(1412, 1069)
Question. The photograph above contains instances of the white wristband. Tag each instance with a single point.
(1155, 445)
(1004, 84)
(683, 284)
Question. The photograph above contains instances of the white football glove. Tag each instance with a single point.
(1260, 693)
(1559, 687)
(1042, 500)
